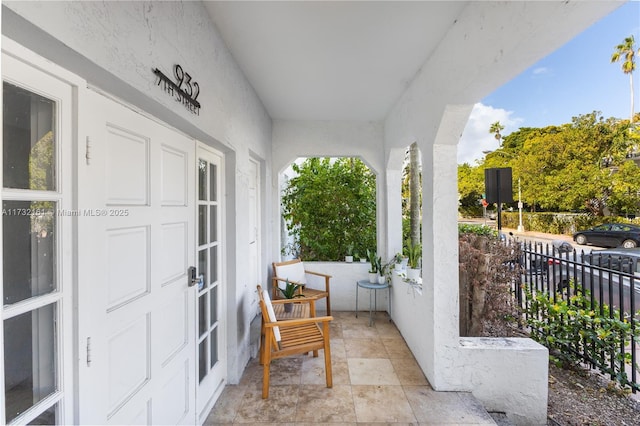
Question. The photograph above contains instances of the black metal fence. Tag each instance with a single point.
(606, 285)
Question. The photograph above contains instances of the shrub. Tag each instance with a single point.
(487, 275)
(578, 329)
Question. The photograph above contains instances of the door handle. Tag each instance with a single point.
(193, 277)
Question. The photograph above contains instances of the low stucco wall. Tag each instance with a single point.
(508, 375)
(343, 285)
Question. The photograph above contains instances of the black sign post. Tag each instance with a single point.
(498, 188)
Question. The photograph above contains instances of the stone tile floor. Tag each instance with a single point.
(375, 380)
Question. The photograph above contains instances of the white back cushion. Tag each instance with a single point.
(291, 272)
(272, 314)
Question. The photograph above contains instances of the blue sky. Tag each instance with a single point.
(576, 79)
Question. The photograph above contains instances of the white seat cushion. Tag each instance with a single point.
(272, 314)
(291, 272)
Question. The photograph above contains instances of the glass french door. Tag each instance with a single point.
(211, 290)
(36, 288)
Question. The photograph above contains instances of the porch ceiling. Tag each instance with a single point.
(331, 60)
(353, 60)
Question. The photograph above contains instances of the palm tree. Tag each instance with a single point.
(414, 190)
(496, 128)
(625, 52)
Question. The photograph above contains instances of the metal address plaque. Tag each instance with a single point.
(183, 90)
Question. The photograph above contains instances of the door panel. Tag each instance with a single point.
(136, 239)
(37, 277)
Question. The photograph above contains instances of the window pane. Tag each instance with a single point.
(202, 314)
(203, 268)
(202, 360)
(213, 170)
(202, 225)
(48, 417)
(202, 180)
(214, 264)
(213, 305)
(214, 347)
(213, 228)
(29, 140)
(29, 359)
(29, 245)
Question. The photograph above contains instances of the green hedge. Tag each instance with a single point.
(559, 223)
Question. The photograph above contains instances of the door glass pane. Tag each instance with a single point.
(214, 347)
(29, 140)
(213, 177)
(214, 264)
(29, 248)
(213, 229)
(202, 225)
(48, 417)
(202, 359)
(202, 180)
(29, 359)
(202, 314)
(213, 305)
(203, 267)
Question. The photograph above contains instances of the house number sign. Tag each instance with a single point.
(184, 90)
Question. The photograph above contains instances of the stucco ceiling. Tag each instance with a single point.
(353, 60)
(331, 60)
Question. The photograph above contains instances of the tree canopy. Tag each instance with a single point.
(330, 208)
(583, 166)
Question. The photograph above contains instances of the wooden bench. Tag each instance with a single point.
(284, 338)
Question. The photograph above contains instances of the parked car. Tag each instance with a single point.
(610, 235)
(610, 275)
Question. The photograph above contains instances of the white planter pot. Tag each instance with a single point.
(413, 274)
(381, 279)
(348, 259)
(373, 278)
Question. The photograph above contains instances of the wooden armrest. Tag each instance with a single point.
(294, 300)
(320, 274)
(298, 321)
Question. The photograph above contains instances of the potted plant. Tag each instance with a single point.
(414, 253)
(373, 268)
(397, 262)
(349, 257)
(290, 291)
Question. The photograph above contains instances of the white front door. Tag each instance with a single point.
(136, 231)
(211, 331)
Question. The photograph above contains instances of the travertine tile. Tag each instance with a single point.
(365, 348)
(396, 347)
(313, 371)
(409, 372)
(444, 408)
(358, 331)
(318, 404)
(382, 404)
(363, 371)
(376, 380)
(280, 407)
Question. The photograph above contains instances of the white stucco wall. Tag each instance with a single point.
(433, 112)
(114, 46)
(364, 139)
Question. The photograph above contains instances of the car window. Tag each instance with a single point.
(601, 228)
(617, 228)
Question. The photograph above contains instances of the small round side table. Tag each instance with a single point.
(375, 287)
